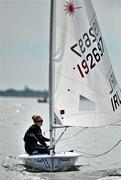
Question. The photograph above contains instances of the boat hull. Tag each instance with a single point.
(57, 162)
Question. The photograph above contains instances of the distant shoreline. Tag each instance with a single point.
(24, 93)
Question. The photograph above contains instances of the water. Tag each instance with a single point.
(15, 118)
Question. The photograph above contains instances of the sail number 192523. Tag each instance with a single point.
(90, 46)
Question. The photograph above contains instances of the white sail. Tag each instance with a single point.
(86, 92)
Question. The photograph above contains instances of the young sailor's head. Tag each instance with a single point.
(37, 119)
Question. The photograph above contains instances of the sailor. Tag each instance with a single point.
(35, 142)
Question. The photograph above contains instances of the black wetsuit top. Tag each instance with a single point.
(32, 136)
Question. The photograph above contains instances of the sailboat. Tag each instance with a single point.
(83, 89)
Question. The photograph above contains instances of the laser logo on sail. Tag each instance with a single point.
(70, 8)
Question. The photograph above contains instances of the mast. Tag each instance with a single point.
(51, 98)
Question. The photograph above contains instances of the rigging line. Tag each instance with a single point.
(75, 134)
(116, 125)
(60, 136)
(54, 132)
(98, 155)
(95, 90)
(93, 113)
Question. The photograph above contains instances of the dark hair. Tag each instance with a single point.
(36, 117)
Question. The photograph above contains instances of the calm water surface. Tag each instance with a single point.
(15, 118)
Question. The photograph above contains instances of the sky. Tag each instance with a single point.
(24, 40)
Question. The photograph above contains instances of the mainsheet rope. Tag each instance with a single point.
(97, 155)
(74, 134)
(69, 136)
(89, 155)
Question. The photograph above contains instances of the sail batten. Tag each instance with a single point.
(86, 92)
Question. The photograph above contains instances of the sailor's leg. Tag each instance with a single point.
(39, 149)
